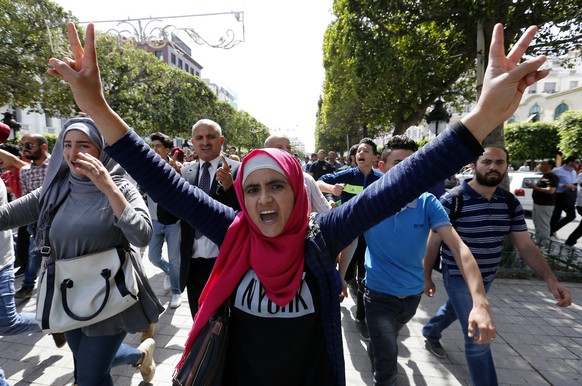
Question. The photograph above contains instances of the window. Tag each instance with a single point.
(534, 114)
(550, 87)
(559, 110)
(532, 89)
(180, 64)
(159, 55)
(173, 60)
(573, 84)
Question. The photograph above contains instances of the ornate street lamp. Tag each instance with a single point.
(438, 117)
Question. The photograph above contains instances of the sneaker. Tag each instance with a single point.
(363, 329)
(435, 348)
(176, 301)
(149, 333)
(20, 272)
(23, 293)
(147, 368)
(59, 338)
(167, 283)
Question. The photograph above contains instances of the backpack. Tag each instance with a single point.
(457, 210)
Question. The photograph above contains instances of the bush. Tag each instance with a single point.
(531, 140)
(570, 128)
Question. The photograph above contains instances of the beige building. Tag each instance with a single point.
(560, 91)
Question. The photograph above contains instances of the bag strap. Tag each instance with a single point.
(456, 204)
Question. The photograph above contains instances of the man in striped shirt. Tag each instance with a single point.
(483, 222)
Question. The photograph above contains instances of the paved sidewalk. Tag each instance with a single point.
(537, 344)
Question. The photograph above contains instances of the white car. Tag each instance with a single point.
(517, 186)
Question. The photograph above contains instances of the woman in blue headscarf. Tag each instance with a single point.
(86, 205)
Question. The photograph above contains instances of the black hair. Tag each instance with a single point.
(398, 142)
(498, 147)
(163, 138)
(369, 142)
(10, 148)
(571, 158)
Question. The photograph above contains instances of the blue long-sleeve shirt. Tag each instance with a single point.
(337, 228)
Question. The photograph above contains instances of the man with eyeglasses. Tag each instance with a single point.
(34, 148)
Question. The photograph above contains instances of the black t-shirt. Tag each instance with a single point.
(547, 180)
(273, 346)
(319, 168)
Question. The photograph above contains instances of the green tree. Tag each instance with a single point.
(387, 61)
(570, 130)
(26, 48)
(531, 140)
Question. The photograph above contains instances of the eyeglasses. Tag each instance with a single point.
(27, 145)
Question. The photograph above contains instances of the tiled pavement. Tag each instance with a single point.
(537, 344)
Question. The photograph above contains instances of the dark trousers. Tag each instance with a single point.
(575, 235)
(197, 277)
(563, 203)
(385, 317)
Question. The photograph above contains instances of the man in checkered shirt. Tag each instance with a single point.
(34, 148)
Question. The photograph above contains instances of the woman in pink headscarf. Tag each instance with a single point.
(276, 263)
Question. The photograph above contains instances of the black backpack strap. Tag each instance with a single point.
(510, 202)
(456, 204)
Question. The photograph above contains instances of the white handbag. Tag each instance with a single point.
(81, 291)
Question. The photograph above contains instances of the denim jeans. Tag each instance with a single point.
(385, 317)
(11, 322)
(172, 235)
(94, 356)
(2, 379)
(126, 355)
(34, 260)
(460, 303)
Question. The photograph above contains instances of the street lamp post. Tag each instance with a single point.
(439, 116)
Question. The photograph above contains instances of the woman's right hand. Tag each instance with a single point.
(93, 169)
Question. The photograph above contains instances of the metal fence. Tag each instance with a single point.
(566, 261)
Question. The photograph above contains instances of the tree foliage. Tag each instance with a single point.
(570, 129)
(387, 61)
(531, 140)
(149, 95)
(26, 48)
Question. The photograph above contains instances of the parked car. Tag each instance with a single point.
(517, 186)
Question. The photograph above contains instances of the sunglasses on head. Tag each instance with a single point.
(27, 145)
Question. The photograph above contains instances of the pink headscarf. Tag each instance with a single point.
(277, 261)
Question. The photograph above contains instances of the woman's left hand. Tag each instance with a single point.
(93, 169)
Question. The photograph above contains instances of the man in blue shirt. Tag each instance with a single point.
(394, 279)
(565, 194)
(484, 221)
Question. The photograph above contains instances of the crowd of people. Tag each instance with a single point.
(264, 231)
